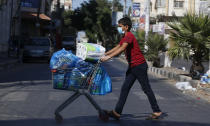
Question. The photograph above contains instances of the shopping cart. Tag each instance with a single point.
(80, 89)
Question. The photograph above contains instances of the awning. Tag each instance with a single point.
(32, 15)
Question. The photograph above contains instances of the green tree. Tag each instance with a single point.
(67, 23)
(191, 36)
(140, 37)
(117, 6)
(97, 20)
(94, 17)
(155, 44)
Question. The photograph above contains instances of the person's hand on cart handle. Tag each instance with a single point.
(105, 58)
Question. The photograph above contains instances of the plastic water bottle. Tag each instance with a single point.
(76, 78)
(58, 80)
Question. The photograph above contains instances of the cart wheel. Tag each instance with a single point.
(58, 118)
(104, 116)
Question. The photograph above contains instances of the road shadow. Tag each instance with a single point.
(127, 120)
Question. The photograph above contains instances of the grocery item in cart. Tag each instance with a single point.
(90, 51)
(101, 84)
(76, 79)
(58, 80)
(63, 59)
(84, 67)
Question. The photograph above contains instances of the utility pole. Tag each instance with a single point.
(124, 12)
(11, 19)
(38, 13)
(147, 22)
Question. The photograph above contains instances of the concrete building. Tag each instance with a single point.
(30, 24)
(162, 11)
(66, 4)
(168, 8)
(7, 12)
(177, 7)
(19, 18)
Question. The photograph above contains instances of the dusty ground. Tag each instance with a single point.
(202, 91)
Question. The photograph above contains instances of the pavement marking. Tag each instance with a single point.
(15, 96)
(142, 96)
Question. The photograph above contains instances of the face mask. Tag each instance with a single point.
(119, 29)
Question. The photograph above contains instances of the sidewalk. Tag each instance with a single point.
(7, 62)
(202, 91)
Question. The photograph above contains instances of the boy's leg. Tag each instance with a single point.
(141, 74)
(128, 83)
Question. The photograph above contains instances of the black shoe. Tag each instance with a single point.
(113, 114)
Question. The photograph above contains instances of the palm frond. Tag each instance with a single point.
(189, 34)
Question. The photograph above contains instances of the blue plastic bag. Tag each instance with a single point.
(84, 67)
(101, 84)
(63, 58)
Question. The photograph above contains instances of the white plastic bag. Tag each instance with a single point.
(90, 51)
(184, 86)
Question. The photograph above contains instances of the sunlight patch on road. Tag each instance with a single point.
(58, 96)
(15, 96)
(142, 96)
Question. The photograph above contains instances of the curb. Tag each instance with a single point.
(174, 76)
(170, 75)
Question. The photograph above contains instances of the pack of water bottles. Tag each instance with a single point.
(71, 72)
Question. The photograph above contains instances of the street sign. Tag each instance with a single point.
(136, 5)
(160, 28)
(136, 10)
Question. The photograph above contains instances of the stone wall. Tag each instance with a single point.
(179, 63)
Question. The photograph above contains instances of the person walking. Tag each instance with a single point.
(137, 69)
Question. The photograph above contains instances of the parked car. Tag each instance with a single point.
(69, 42)
(37, 48)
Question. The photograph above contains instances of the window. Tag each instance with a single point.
(30, 3)
(160, 3)
(179, 3)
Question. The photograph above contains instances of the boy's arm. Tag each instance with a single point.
(116, 52)
(112, 50)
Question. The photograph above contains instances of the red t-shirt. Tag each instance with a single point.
(133, 53)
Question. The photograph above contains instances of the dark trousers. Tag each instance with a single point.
(140, 73)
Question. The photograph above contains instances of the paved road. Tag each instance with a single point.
(27, 99)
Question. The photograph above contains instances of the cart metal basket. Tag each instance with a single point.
(81, 86)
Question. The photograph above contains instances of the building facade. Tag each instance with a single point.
(7, 12)
(31, 23)
(66, 4)
(19, 18)
(169, 8)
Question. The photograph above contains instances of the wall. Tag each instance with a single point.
(5, 14)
